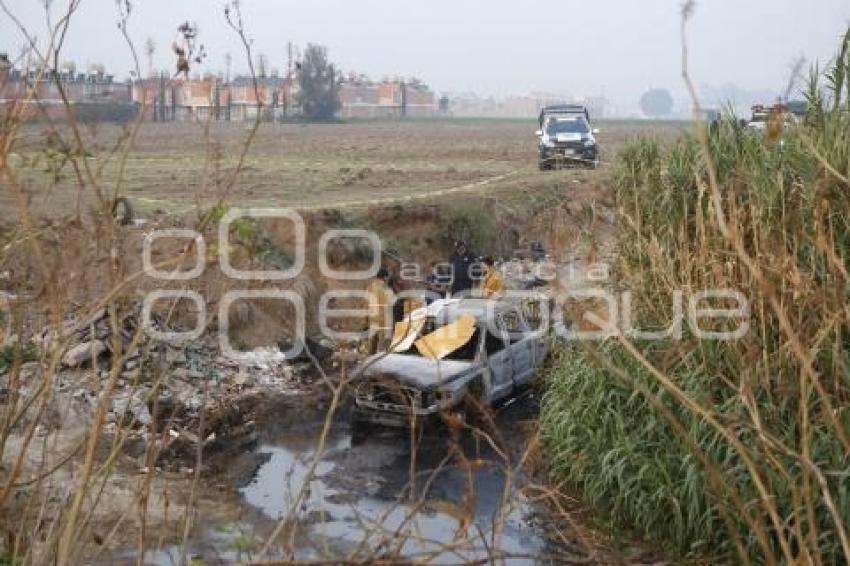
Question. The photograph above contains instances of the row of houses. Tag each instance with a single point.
(212, 98)
(386, 99)
(203, 98)
(78, 87)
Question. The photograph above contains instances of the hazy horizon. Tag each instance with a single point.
(616, 49)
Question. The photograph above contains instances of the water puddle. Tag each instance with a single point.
(356, 501)
(358, 504)
(279, 482)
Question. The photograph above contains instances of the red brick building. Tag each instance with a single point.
(165, 99)
(361, 98)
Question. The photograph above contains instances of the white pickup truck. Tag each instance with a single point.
(498, 355)
(566, 137)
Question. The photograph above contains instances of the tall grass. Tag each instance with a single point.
(729, 449)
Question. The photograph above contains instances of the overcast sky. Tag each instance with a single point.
(615, 47)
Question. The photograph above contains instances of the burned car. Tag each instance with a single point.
(441, 354)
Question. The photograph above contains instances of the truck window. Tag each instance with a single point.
(493, 344)
(567, 126)
(515, 325)
(467, 352)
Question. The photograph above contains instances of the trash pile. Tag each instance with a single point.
(183, 397)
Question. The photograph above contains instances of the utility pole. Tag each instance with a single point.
(217, 98)
(287, 89)
(162, 97)
(229, 103)
(403, 99)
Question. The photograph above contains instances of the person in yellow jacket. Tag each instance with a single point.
(380, 321)
(493, 285)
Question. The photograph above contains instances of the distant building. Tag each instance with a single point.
(203, 99)
(44, 92)
(359, 100)
(522, 106)
(362, 98)
(211, 98)
(165, 99)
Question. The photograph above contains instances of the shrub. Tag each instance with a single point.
(473, 225)
(739, 447)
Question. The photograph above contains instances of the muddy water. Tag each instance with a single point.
(361, 501)
(357, 499)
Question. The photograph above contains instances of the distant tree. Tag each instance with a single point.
(319, 93)
(656, 103)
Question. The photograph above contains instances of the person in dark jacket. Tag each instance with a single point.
(397, 287)
(462, 264)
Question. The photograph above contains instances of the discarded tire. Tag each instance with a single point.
(122, 211)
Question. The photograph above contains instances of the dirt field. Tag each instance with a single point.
(175, 167)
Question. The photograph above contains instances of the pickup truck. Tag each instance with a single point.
(566, 137)
(778, 116)
(498, 355)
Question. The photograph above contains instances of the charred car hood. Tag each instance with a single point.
(416, 371)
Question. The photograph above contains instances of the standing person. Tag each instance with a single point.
(438, 282)
(397, 287)
(493, 285)
(462, 262)
(379, 323)
(431, 284)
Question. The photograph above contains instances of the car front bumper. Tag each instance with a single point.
(386, 413)
(570, 153)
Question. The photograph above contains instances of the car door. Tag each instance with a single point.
(499, 363)
(538, 344)
(523, 346)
